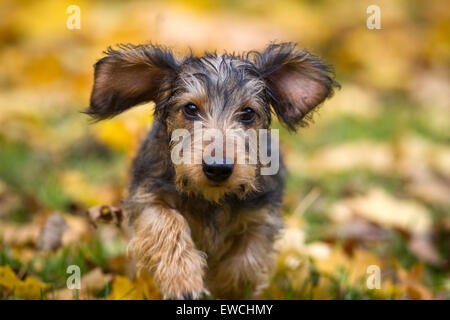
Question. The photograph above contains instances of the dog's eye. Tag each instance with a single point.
(247, 115)
(190, 111)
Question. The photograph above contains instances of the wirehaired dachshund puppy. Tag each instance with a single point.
(208, 224)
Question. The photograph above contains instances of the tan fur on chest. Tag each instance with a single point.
(230, 231)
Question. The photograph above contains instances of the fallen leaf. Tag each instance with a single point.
(9, 201)
(141, 288)
(356, 267)
(51, 234)
(293, 240)
(417, 154)
(411, 282)
(30, 288)
(359, 229)
(90, 283)
(429, 188)
(383, 209)
(78, 228)
(422, 246)
(8, 278)
(13, 233)
(356, 155)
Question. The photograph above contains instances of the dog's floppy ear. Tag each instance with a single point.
(130, 75)
(296, 82)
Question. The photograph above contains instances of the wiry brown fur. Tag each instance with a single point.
(168, 253)
(193, 235)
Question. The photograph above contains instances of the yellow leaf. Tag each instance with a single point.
(122, 289)
(146, 287)
(142, 288)
(8, 278)
(356, 267)
(30, 288)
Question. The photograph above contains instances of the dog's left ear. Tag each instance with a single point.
(296, 82)
(130, 75)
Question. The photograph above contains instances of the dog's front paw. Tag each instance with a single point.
(183, 282)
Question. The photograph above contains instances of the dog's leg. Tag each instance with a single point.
(162, 245)
(245, 269)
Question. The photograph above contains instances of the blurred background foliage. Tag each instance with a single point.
(369, 183)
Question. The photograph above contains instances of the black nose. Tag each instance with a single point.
(218, 171)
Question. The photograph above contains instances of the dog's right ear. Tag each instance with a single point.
(130, 75)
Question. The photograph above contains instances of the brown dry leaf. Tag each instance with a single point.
(9, 200)
(356, 155)
(90, 283)
(359, 229)
(430, 189)
(51, 234)
(411, 282)
(13, 233)
(78, 228)
(445, 223)
(431, 90)
(385, 210)
(422, 246)
(119, 264)
(416, 154)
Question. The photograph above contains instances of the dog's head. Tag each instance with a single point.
(214, 106)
